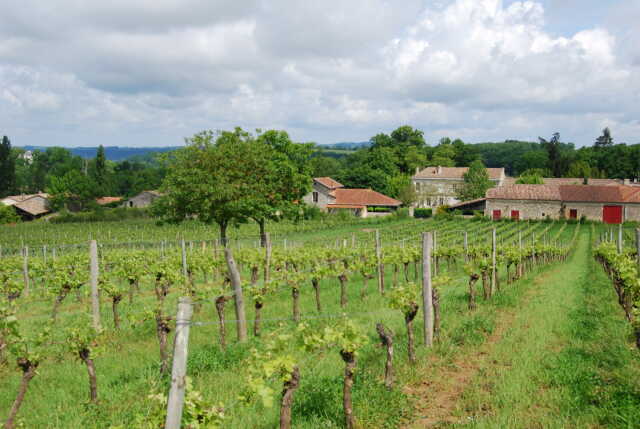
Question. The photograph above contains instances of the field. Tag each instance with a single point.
(550, 346)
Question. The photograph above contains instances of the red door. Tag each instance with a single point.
(497, 214)
(515, 214)
(612, 214)
(573, 214)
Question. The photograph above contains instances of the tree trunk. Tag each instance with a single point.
(162, 331)
(349, 369)
(263, 232)
(343, 290)
(485, 285)
(132, 283)
(28, 372)
(234, 274)
(254, 276)
(256, 321)
(386, 337)
(114, 307)
(220, 301)
(287, 398)
(85, 355)
(436, 313)
(58, 302)
(406, 272)
(638, 337)
(408, 318)
(316, 287)
(295, 293)
(395, 275)
(472, 291)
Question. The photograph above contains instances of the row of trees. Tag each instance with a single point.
(387, 164)
(71, 179)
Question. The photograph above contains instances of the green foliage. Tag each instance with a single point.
(7, 168)
(8, 215)
(530, 179)
(422, 213)
(405, 298)
(476, 182)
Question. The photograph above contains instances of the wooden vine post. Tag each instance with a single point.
(175, 401)
(25, 269)
(379, 263)
(427, 288)
(234, 274)
(466, 247)
(638, 246)
(95, 297)
(267, 257)
(183, 249)
(620, 240)
(493, 261)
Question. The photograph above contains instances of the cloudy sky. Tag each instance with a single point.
(150, 72)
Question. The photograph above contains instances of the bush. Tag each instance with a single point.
(422, 213)
(8, 214)
(312, 213)
(401, 213)
(100, 215)
(478, 216)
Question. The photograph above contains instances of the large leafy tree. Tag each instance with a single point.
(73, 190)
(476, 182)
(7, 168)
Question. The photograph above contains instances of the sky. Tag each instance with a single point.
(152, 72)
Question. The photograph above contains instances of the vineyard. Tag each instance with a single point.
(322, 327)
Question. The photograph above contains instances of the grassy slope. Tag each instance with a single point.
(565, 361)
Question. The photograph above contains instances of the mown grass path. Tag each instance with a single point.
(560, 358)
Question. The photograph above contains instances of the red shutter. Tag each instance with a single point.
(612, 214)
(573, 214)
(497, 214)
(515, 214)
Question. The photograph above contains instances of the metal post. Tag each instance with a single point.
(184, 260)
(175, 401)
(379, 262)
(427, 298)
(25, 269)
(620, 239)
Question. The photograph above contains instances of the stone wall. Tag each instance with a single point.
(529, 209)
(142, 200)
(323, 197)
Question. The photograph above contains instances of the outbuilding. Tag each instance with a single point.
(609, 204)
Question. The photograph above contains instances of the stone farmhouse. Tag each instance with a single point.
(606, 203)
(29, 207)
(330, 195)
(438, 186)
(142, 200)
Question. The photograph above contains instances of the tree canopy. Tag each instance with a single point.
(476, 182)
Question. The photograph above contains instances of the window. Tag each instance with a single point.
(315, 197)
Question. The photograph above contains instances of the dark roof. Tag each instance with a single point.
(363, 197)
(328, 182)
(454, 173)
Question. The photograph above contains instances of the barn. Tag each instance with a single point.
(609, 204)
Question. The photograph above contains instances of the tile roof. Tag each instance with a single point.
(107, 200)
(345, 206)
(36, 205)
(569, 181)
(454, 173)
(363, 197)
(525, 192)
(328, 182)
(12, 199)
(569, 193)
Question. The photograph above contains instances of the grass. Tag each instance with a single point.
(565, 361)
(128, 366)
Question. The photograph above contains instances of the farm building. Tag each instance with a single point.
(142, 200)
(438, 186)
(29, 207)
(330, 195)
(606, 203)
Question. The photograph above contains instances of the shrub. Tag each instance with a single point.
(8, 214)
(401, 213)
(422, 213)
(100, 215)
(442, 212)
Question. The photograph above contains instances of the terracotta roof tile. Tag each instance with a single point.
(328, 182)
(364, 197)
(569, 181)
(525, 192)
(107, 200)
(454, 173)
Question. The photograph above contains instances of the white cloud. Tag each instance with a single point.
(151, 72)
